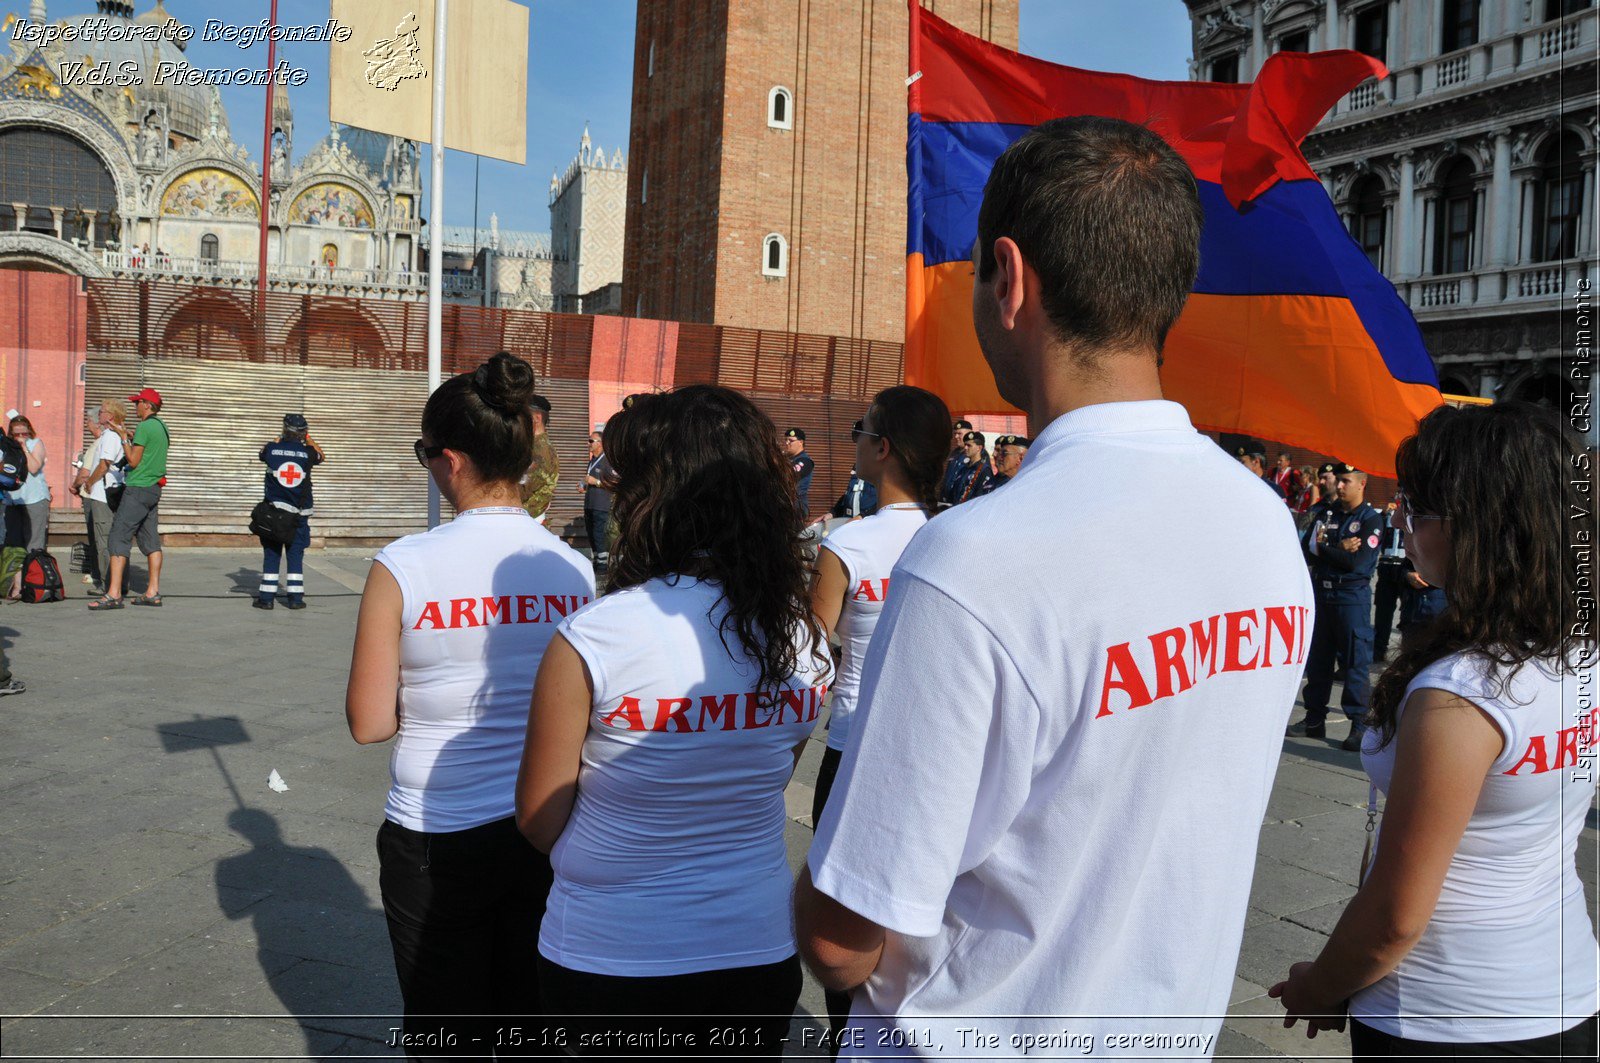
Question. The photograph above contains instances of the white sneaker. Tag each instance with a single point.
(88, 581)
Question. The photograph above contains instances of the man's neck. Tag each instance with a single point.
(1063, 382)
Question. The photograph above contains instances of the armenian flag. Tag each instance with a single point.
(1291, 333)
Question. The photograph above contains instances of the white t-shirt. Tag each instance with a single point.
(1063, 749)
(868, 548)
(482, 597)
(1510, 942)
(673, 860)
(107, 448)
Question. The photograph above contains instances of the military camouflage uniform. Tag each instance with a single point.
(539, 485)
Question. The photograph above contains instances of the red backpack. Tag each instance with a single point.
(41, 579)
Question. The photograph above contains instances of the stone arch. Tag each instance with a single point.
(338, 332)
(112, 151)
(209, 323)
(369, 195)
(1552, 133)
(35, 251)
(189, 166)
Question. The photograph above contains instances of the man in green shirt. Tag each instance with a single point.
(136, 517)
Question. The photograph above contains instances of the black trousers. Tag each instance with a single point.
(464, 909)
(838, 1003)
(1576, 1043)
(1385, 600)
(596, 527)
(738, 1013)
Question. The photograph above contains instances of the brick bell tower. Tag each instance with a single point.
(766, 175)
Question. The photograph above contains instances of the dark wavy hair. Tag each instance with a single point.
(484, 415)
(1508, 479)
(702, 488)
(917, 425)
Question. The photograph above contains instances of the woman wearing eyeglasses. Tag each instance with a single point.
(902, 445)
(452, 627)
(1470, 934)
(27, 508)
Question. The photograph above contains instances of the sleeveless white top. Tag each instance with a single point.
(482, 597)
(868, 549)
(1509, 952)
(673, 860)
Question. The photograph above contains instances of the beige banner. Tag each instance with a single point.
(382, 77)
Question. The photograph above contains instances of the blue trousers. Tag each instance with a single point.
(1341, 645)
(272, 556)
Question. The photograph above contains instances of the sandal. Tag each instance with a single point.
(104, 602)
(146, 599)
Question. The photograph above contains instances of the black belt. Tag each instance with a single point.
(1336, 584)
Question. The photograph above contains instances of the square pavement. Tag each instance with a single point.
(159, 900)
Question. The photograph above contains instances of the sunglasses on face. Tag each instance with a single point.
(856, 432)
(425, 453)
(1407, 517)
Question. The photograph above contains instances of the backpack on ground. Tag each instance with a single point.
(41, 579)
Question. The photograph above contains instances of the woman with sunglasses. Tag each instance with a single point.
(1469, 934)
(666, 722)
(452, 627)
(901, 447)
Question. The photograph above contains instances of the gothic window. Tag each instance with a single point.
(774, 256)
(1366, 219)
(208, 248)
(1460, 25)
(1559, 203)
(1563, 8)
(1372, 32)
(780, 108)
(1455, 220)
(1225, 68)
(43, 168)
(1298, 41)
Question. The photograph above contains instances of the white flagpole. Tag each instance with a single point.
(436, 238)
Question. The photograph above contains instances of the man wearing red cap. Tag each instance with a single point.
(136, 517)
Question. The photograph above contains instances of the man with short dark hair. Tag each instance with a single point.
(1020, 794)
(794, 448)
(599, 482)
(972, 474)
(539, 484)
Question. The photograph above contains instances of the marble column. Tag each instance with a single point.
(1332, 38)
(89, 219)
(55, 215)
(1586, 212)
(1407, 262)
(1500, 220)
(1258, 41)
(1525, 248)
(21, 215)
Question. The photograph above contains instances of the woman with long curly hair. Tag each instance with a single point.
(1469, 934)
(666, 721)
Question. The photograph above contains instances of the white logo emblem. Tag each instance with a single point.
(289, 474)
(393, 61)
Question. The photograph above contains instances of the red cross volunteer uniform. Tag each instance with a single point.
(1509, 953)
(1063, 750)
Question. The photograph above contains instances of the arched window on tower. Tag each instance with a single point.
(1455, 220)
(208, 248)
(774, 256)
(780, 108)
(1560, 200)
(1367, 218)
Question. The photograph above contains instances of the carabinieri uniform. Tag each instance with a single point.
(1341, 583)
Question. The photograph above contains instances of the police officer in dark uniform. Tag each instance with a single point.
(1008, 453)
(1391, 583)
(1327, 482)
(1343, 547)
(972, 474)
(289, 461)
(958, 455)
(800, 463)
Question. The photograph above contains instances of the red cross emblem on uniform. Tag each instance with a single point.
(289, 474)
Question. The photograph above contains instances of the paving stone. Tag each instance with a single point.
(195, 977)
(24, 993)
(1327, 844)
(1283, 889)
(1272, 948)
(102, 941)
(337, 935)
(1261, 1020)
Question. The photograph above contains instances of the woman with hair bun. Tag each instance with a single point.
(1469, 935)
(902, 444)
(666, 722)
(453, 625)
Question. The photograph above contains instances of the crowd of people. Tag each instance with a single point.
(1041, 794)
(1054, 714)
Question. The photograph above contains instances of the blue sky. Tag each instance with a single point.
(580, 68)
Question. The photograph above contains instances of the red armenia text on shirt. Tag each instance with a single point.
(501, 609)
